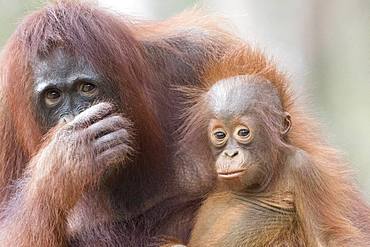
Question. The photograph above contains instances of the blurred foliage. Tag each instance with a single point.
(166, 8)
(11, 12)
(341, 70)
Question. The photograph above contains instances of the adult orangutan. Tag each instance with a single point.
(87, 115)
(279, 184)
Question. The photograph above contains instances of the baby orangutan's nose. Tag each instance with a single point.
(231, 153)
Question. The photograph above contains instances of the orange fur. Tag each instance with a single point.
(328, 205)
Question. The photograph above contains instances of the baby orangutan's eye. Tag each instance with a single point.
(243, 134)
(218, 137)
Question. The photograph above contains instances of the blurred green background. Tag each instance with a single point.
(324, 45)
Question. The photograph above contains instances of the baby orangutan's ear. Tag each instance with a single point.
(287, 124)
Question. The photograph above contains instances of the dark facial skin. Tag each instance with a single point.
(239, 140)
(64, 87)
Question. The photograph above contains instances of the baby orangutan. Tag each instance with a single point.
(251, 206)
(269, 192)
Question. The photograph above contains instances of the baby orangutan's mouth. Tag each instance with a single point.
(230, 173)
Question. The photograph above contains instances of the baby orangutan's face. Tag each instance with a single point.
(246, 116)
(233, 147)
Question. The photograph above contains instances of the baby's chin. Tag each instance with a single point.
(246, 179)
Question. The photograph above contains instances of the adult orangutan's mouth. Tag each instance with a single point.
(231, 174)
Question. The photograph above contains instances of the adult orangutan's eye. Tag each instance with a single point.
(88, 88)
(52, 97)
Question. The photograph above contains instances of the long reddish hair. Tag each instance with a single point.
(84, 31)
(331, 193)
